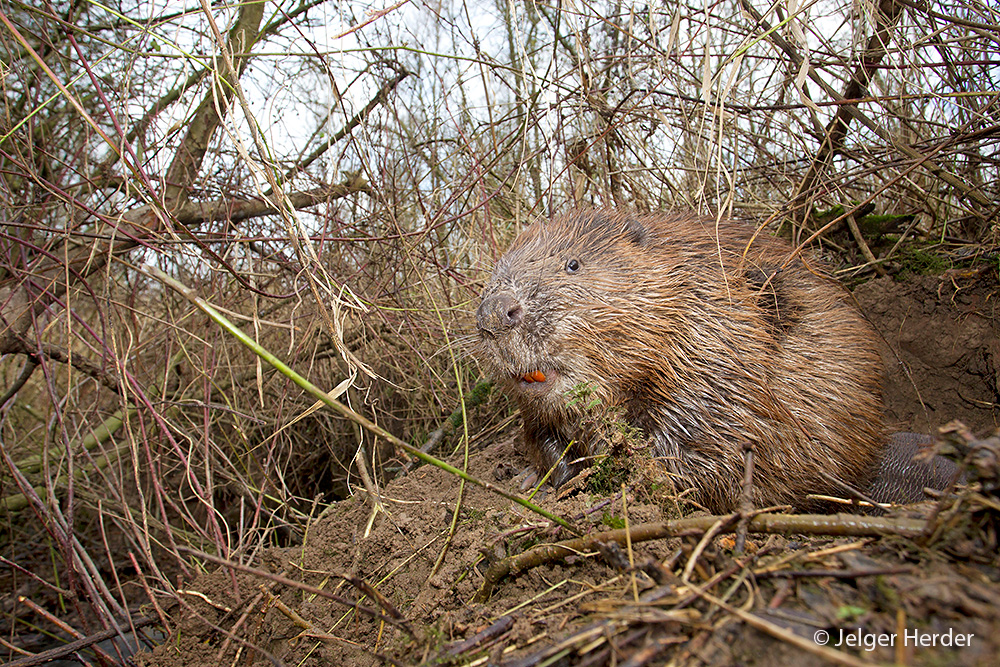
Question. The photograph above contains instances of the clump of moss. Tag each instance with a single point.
(623, 442)
(921, 262)
(477, 396)
(608, 475)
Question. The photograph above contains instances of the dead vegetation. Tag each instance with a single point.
(335, 183)
(636, 589)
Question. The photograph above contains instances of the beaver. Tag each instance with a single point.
(706, 337)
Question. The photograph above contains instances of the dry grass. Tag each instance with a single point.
(340, 198)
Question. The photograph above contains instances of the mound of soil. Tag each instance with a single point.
(942, 351)
(399, 586)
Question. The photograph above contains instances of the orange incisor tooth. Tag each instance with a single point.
(537, 376)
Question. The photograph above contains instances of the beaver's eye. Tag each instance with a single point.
(572, 266)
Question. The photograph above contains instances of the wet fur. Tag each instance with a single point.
(703, 336)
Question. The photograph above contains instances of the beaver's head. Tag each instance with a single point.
(562, 307)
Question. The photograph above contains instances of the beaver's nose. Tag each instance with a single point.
(499, 313)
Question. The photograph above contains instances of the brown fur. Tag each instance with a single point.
(704, 337)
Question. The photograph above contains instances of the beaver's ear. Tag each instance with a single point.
(635, 231)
